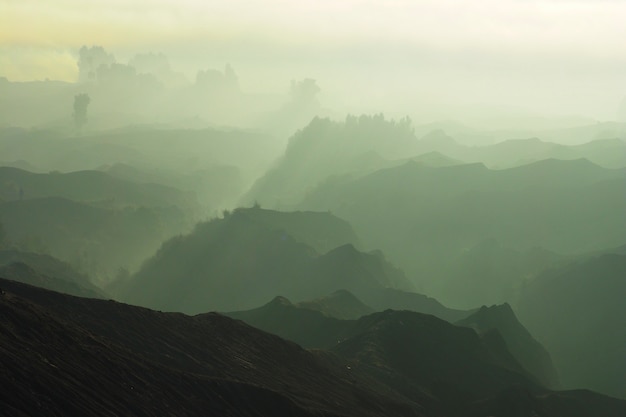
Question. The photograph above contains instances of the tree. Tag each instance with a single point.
(90, 60)
(81, 101)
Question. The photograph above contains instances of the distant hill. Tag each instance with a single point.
(19, 271)
(603, 148)
(112, 357)
(215, 186)
(248, 257)
(498, 271)
(341, 305)
(95, 240)
(93, 187)
(330, 151)
(326, 149)
(325, 321)
(45, 264)
(533, 357)
(307, 327)
(425, 357)
(46, 272)
(147, 147)
(320, 230)
(500, 331)
(422, 217)
(578, 313)
(398, 299)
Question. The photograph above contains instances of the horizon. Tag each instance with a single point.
(432, 60)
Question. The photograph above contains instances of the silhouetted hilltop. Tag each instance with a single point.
(428, 358)
(321, 230)
(529, 353)
(326, 321)
(325, 148)
(341, 304)
(577, 312)
(307, 327)
(364, 272)
(248, 257)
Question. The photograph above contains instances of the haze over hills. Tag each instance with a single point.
(327, 150)
(388, 186)
(249, 256)
(95, 240)
(91, 187)
(422, 216)
(207, 162)
(584, 301)
(46, 272)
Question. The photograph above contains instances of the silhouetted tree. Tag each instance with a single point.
(218, 82)
(81, 101)
(90, 60)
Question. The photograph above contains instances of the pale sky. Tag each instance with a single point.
(566, 56)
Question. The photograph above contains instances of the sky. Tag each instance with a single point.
(557, 57)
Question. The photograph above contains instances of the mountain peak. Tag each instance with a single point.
(281, 301)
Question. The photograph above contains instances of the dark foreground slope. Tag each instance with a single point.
(63, 355)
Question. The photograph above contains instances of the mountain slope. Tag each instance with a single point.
(47, 272)
(308, 328)
(241, 261)
(425, 357)
(530, 354)
(67, 355)
(96, 240)
(341, 305)
(90, 186)
(113, 357)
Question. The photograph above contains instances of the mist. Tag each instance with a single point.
(510, 62)
(356, 208)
